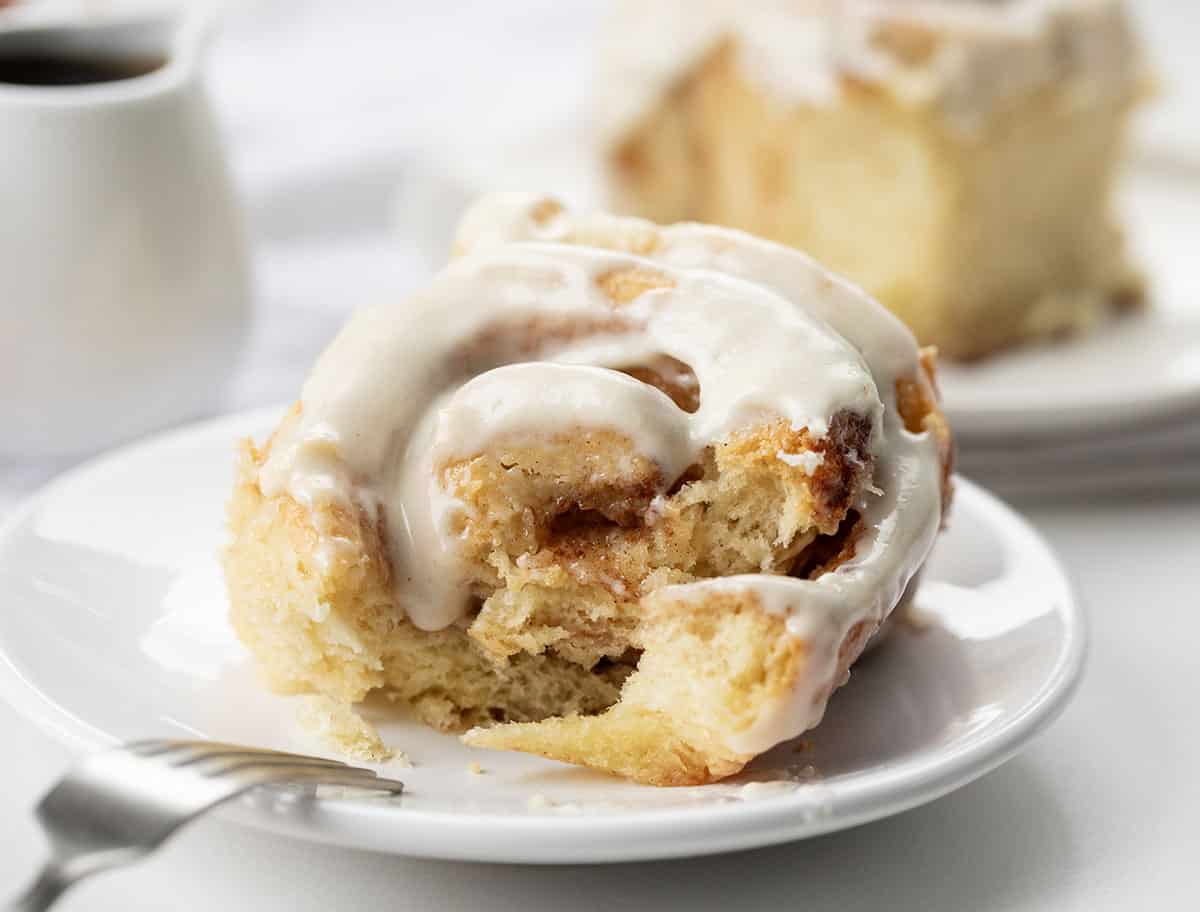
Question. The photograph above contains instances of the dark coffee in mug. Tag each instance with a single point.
(52, 69)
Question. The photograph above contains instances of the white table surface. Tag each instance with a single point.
(1100, 813)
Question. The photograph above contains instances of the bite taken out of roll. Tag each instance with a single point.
(627, 496)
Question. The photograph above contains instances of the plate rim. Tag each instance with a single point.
(988, 422)
(604, 837)
(981, 425)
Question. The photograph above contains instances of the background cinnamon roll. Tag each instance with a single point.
(956, 158)
(625, 496)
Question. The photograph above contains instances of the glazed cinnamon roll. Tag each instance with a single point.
(621, 495)
(956, 158)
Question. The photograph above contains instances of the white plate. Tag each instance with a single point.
(1141, 367)
(1162, 457)
(113, 628)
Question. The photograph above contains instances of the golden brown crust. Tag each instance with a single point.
(275, 554)
(918, 401)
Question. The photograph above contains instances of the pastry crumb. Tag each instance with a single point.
(343, 729)
(475, 769)
(540, 802)
(756, 791)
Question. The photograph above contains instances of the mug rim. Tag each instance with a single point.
(178, 42)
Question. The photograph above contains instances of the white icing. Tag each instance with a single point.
(987, 52)
(768, 333)
(810, 461)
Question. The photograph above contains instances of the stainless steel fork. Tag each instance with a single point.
(118, 806)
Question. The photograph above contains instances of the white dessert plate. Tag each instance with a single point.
(1152, 457)
(113, 627)
(1142, 367)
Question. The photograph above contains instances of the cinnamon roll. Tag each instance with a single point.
(956, 158)
(628, 496)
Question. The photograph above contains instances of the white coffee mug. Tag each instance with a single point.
(124, 284)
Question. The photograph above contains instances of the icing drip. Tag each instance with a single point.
(520, 340)
(964, 58)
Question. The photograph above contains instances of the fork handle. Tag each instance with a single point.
(51, 883)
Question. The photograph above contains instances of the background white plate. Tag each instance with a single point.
(1141, 367)
(113, 628)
